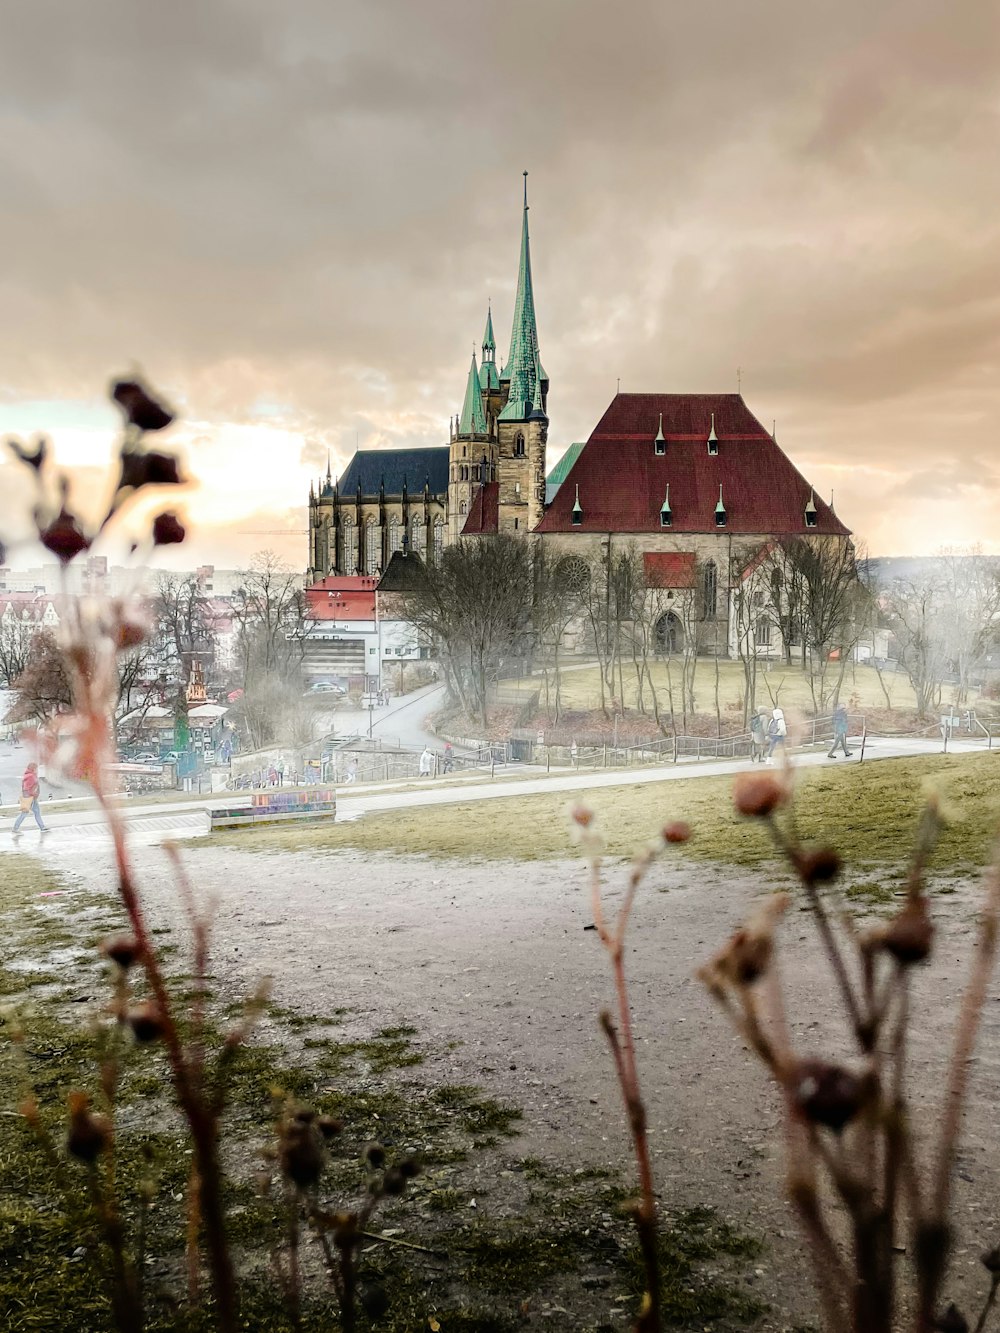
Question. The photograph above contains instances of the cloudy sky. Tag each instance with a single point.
(292, 215)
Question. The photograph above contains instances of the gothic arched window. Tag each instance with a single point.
(709, 590)
(394, 535)
(463, 508)
(372, 546)
(347, 558)
(518, 445)
(418, 536)
(438, 539)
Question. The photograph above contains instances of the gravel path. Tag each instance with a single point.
(497, 959)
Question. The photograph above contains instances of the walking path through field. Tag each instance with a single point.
(155, 823)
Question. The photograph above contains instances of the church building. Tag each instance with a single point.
(692, 481)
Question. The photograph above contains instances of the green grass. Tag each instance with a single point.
(869, 812)
(776, 683)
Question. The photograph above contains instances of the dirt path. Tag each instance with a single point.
(495, 963)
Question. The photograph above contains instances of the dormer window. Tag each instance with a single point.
(720, 512)
(660, 444)
(811, 515)
(666, 514)
(713, 439)
(577, 510)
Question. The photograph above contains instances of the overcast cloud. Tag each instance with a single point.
(292, 216)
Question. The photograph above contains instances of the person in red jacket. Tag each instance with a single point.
(30, 792)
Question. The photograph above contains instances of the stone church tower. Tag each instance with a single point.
(500, 436)
(522, 424)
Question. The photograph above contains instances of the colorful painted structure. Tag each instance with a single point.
(277, 807)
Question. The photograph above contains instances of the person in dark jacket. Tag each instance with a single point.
(30, 792)
(839, 732)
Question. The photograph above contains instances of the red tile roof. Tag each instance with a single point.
(344, 583)
(668, 569)
(622, 481)
(353, 604)
(484, 512)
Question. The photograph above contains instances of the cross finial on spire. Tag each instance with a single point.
(525, 191)
(739, 379)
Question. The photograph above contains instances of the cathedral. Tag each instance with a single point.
(389, 500)
(692, 482)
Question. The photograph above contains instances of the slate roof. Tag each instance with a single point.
(484, 512)
(668, 569)
(622, 481)
(401, 573)
(561, 471)
(371, 466)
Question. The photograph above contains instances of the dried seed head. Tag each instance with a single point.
(676, 831)
(301, 1153)
(409, 1167)
(952, 1321)
(168, 530)
(991, 1260)
(329, 1127)
(827, 1094)
(393, 1182)
(758, 794)
(64, 537)
(375, 1155)
(148, 469)
(582, 814)
(146, 1022)
(819, 866)
(88, 1134)
(121, 949)
(304, 1115)
(34, 458)
(139, 406)
(374, 1301)
(909, 936)
(747, 954)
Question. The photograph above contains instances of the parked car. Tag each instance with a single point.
(326, 687)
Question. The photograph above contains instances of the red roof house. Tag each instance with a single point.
(701, 456)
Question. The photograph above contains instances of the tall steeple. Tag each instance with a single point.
(522, 361)
(473, 418)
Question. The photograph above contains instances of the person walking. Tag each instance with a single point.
(839, 733)
(449, 758)
(30, 792)
(777, 730)
(427, 763)
(758, 737)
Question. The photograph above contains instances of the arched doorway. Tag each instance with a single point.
(669, 633)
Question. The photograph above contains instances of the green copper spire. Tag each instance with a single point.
(473, 418)
(523, 363)
(488, 377)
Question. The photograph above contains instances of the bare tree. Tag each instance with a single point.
(15, 648)
(476, 604)
(184, 621)
(816, 597)
(917, 613)
(269, 608)
(971, 586)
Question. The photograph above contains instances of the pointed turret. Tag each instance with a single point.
(473, 418)
(713, 439)
(659, 443)
(577, 509)
(666, 513)
(811, 513)
(720, 511)
(489, 379)
(520, 370)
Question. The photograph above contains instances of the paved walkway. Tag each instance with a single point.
(155, 823)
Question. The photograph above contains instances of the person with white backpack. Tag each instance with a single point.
(777, 730)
